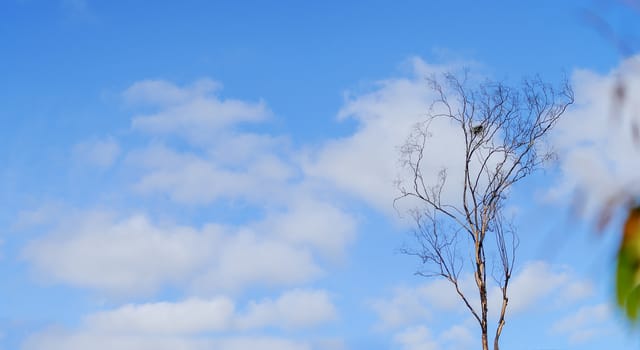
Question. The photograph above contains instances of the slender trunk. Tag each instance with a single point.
(481, 282)
(496, 340)
(503, 311)
(485, 341)
(483, 303)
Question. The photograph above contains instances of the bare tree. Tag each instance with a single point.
(503, 129)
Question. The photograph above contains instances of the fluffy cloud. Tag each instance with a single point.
(365, 164)
(294, 309)
(60, 340)
(246, 259)
(190, 178)
(135, 254)
(416, 338)
(320, 225)
(403, 308)
(584, 324)
(298, 308)
(186, 317)
(458, 337)
(132, 255)
(539, 281)
(193, 324)
(415, 315)
(222, 161)
(410, 305)
(595, 138)
(119, 256)
(536, 281)
(193, 111)
(214, 163)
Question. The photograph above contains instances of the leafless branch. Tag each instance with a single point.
(503, 128)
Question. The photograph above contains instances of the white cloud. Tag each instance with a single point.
(62, 340)
(164, 93)
(539, 281)
(578, 290)
(409, 305)
(459, 337)
(223, 162)
(405, 307)
(190, 178)
(582, 317)
(120, 256)
(416, 338)
(186, 317)
(100, 153)
(194, 324)
(132, 255)
(294, 309)
(300, 221)
(595, 138)
(318, 224)
(237, 148)
(261, 344)
(330, 344)
(534, 282)
(537, 285)
(194, 112)
(246, 259)
(584, 324)
(365, 164)
(57, 339)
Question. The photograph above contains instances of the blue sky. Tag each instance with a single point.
(219, 175)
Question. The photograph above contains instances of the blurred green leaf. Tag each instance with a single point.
(628, 267)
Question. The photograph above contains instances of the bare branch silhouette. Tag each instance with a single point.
(502, 129)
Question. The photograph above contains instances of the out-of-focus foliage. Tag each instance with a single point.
(628, 257)
(628, 267)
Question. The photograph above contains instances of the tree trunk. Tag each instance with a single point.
(501, 322)
(483, 302)
(482, 289)
(484, 307)
(485, 341)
